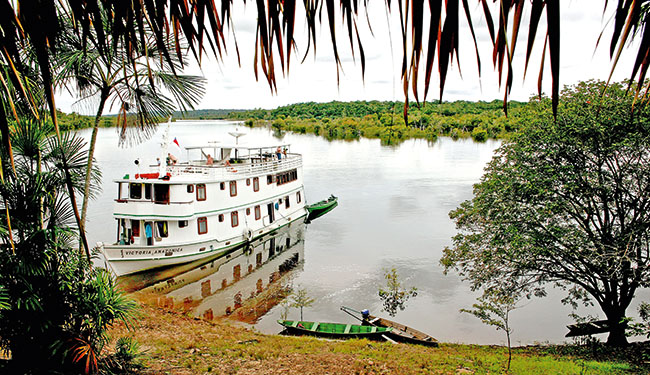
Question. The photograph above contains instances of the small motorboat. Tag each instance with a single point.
(334, 330)
(319, 209)
(399, 332)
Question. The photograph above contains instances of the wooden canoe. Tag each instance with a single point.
(402, 333)
(334, 330)
(399, 332)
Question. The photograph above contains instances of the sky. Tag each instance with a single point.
(233, 86)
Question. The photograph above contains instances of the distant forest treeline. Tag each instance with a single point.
(372, 119)
(385, 120)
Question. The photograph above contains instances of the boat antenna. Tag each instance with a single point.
(237, 134)
(162, 168)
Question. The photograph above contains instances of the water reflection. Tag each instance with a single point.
(244, 284)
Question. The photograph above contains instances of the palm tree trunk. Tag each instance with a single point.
(91, 153)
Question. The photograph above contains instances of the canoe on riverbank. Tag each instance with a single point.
(402, 333)
(399, 332)
(334, 330)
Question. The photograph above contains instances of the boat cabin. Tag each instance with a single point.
(249, 184)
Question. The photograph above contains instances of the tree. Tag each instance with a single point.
(565, 202)
(494, 307)
(55, 309)
(394, 297)
(301, 299)
(134, 88)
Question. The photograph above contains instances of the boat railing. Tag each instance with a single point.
(234, 170)
(128, 200)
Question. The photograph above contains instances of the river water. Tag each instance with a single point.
(393, 213)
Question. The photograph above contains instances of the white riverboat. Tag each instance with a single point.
(222, 197)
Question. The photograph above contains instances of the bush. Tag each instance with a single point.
(479, 134)
(55, 308)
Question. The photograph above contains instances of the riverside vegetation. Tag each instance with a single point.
(383, 119)
(175, 343)
(370, 119)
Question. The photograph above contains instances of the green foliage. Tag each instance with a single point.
(4, 299)
(479, 134)
(285, 305)
(493, 308)
(301, 299)
(127, 358)
(384, 120)
(393, 296)
(59, 307)
(565, 202)
(643, 327)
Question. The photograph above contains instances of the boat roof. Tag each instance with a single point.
(236, 146)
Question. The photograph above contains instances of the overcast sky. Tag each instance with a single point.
(230, 86)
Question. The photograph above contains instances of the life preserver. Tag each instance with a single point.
(248, 234)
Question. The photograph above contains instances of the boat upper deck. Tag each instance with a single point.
(230, 162)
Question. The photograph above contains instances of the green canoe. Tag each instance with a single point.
(321, 208)
(333, 330)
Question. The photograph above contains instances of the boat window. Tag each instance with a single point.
(233, 188)
(248, 211)
(221, 218)
(135, 191)
(234, 218)
(256, 184)
(200, 192)
(182, 223)
(222, 186)
(161, 193)
(248, 182)
(202, 224)
(147, 191)
(190, 188)
(258, 213)
(298, 198)
(269, 179)
(161, 228)
(135, 228)
(285, 177)
(286, 202)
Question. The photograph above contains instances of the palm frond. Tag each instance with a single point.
(186, 90)
(72, 149)
(4, 299)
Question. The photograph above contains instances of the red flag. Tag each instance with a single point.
(176, 141)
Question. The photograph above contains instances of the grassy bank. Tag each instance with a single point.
(178, 344)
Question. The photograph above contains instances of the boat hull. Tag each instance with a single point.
(334, 330)
(124, 260)
(320, 210)
(402, 333)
